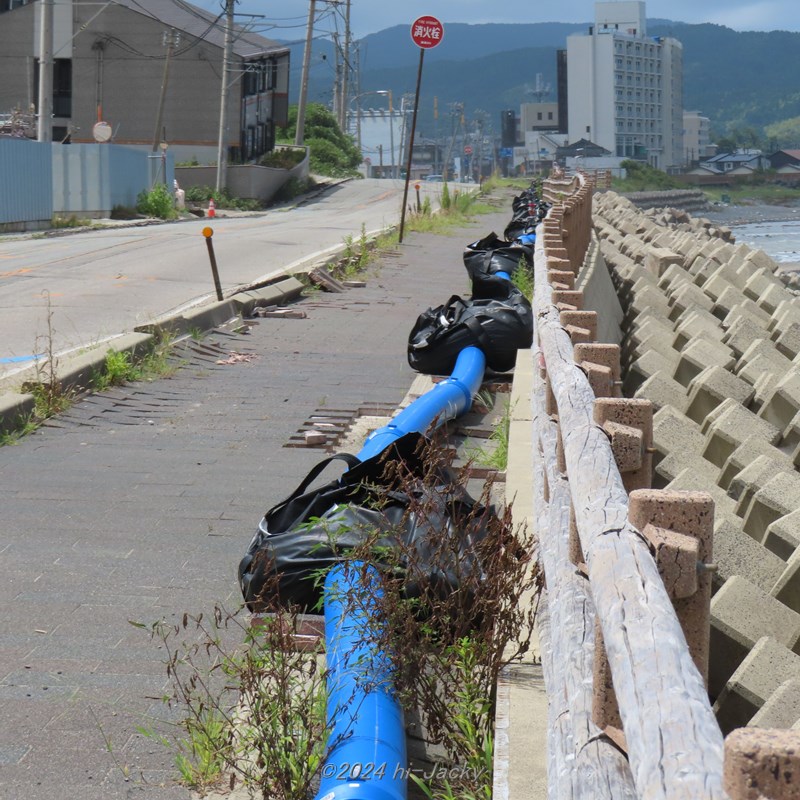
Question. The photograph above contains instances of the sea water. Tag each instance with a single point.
(780, 240)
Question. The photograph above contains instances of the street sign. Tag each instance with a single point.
(427, 32)
(468, 150)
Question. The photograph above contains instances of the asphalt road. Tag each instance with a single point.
(100, 284)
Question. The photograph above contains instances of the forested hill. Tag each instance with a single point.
(738, 80)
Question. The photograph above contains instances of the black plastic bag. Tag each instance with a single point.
(312, 530)
(498, 327)
(488, 256)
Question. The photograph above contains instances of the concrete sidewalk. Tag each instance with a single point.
(138, 503)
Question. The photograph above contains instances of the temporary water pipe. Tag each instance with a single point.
(446, 400)
(367, 755)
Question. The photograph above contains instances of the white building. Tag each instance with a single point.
(696, 138)
(626, 88)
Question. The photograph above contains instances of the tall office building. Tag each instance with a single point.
(626, 88)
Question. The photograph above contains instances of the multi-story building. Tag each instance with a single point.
(626, 88)
(696, 138)
(150, 69)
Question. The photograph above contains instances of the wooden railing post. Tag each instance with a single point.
(762, 764)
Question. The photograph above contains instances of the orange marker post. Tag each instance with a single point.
(208, 233)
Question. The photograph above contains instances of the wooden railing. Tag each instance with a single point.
(629, 711)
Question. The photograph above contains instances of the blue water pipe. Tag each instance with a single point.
(367, 755)
(446, 400)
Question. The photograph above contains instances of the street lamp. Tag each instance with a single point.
(385, 93)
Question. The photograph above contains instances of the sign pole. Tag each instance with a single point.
(411, 146)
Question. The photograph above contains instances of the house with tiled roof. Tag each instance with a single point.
(785, 161)
(740, 162)
(130, 63)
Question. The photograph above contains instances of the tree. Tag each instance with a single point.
(784, 134)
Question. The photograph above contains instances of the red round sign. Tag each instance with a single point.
(427, 32)
(467, 150)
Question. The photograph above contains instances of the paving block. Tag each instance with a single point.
(662, 390)
(647, 364)
(783, 535)
(673, 431)
(699, 354)
(711, 387)
(784, 402)
(746, 453)
(782, 708)
(736, 553)
(779, 496)
(728, 426)
(787, 586)
(766, 667)
(741, 614)
(787, 340)
(740, 336)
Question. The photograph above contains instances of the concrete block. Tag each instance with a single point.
(649, 298)
(716, 285)
(764, 387)
(741, 614)
(696, 323)
(729, 426)
(771, 357)
(772, 297)
(766, 667)
(657, 259)
(673, 277)
(711, 387)
(754, 370)
(758, 282)
(650, 362)
(746, 453)
(685, 296)
(732, 299)
(645, 326)
(782, 707)
(787, 586)
(779, 496)
(662, 390)
(784, 402)
(783, 535)
(750, 479)
(790, 438)
(673, 431)
(746, 310)
(736, 553)
(787, 312)
(673, 464)
(760, 260)
(699, 354)
(652, 342)
(741, 335)
(702, 269)
(787, 340)
(701, 478)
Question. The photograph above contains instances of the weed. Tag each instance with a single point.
(522, 278)
(118, 369)
(49, 396)
(495, 457)
(70, 222)
(158, 202)
(196, 334)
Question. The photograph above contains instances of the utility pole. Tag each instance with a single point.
(301, 105)
(346, 72)
(171, 39)
(337, 78)
(44, 128)
(227, 58)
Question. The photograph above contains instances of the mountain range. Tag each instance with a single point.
(740, 80)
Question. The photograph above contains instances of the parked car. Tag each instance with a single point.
(434, 178)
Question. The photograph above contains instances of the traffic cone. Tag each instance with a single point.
(212, 210)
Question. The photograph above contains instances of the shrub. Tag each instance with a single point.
(282, 159)
(158, 202)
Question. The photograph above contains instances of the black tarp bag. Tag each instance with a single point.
(488, 256)
(498, 327)
(314, 529)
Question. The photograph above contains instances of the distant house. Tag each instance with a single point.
(115, 62)
(583, 148)
(740, 162)
(787, 161)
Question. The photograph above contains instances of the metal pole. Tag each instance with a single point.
(223, 102)
(346, 60)
(44, 126)
(411, 145)
(301, 105)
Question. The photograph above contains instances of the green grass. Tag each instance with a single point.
(766, 193)
(494, 455)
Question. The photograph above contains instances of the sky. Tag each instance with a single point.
(367, 16)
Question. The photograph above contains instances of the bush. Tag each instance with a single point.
(158, 202)
(200, 195)
(282, 159)
(642, 177)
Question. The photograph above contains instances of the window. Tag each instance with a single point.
(539, 115)
(549, 115)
